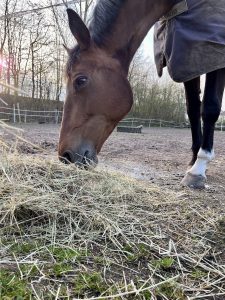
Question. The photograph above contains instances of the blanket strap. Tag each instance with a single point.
(176, 10)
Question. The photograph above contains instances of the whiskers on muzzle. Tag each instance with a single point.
(88, 160)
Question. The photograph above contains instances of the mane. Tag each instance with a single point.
(103, 18)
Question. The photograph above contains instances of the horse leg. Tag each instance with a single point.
(193, 103)
(211, 107)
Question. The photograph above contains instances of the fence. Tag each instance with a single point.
(152, 123)
(220, 125)
(17, 115)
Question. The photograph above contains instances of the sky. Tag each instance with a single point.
(147, 47)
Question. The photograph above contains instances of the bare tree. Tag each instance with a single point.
(153, 98)
(31, 42)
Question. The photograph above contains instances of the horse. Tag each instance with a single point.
(99, 94)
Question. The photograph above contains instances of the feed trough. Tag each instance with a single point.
(130, 129)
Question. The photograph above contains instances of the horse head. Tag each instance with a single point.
(98, 96)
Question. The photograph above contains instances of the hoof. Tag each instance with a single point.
(194, 181)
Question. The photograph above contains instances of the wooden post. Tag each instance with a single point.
(14, 113)
(18, 108)
(222, 120)
(25, 116)
(56, 116)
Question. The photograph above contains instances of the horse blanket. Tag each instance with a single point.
(190, 39)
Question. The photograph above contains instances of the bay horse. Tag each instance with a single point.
(99, 94)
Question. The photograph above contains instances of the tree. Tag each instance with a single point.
(153, 98)
(31, 44)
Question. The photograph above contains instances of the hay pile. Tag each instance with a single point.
(73, 234)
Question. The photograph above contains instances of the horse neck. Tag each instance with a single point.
(135, 19)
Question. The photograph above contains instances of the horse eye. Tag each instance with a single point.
(80, 82)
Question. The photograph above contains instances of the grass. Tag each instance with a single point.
(73, 234)
(13, 287)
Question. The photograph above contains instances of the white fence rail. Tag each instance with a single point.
(220, 125)
(17, 115)
(151, 123)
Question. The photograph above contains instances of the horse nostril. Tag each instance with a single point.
(82, 158)
(67, 157)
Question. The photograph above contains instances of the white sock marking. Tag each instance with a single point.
(200, 166)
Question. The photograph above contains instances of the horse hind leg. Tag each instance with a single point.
(211, 107)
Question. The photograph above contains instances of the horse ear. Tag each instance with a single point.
(79, 29)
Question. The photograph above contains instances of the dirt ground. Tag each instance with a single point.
(158, 155)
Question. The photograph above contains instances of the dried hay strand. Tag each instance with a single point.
(67, 233)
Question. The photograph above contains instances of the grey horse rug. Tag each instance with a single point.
(190, 39)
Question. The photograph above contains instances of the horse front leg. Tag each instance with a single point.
(211, 107)
(193, 103)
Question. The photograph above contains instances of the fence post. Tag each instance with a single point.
(25, 116)
(14, 113)
(56, 116)
(160, 123)
(18, 108)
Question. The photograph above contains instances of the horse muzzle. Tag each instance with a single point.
(85, 157)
